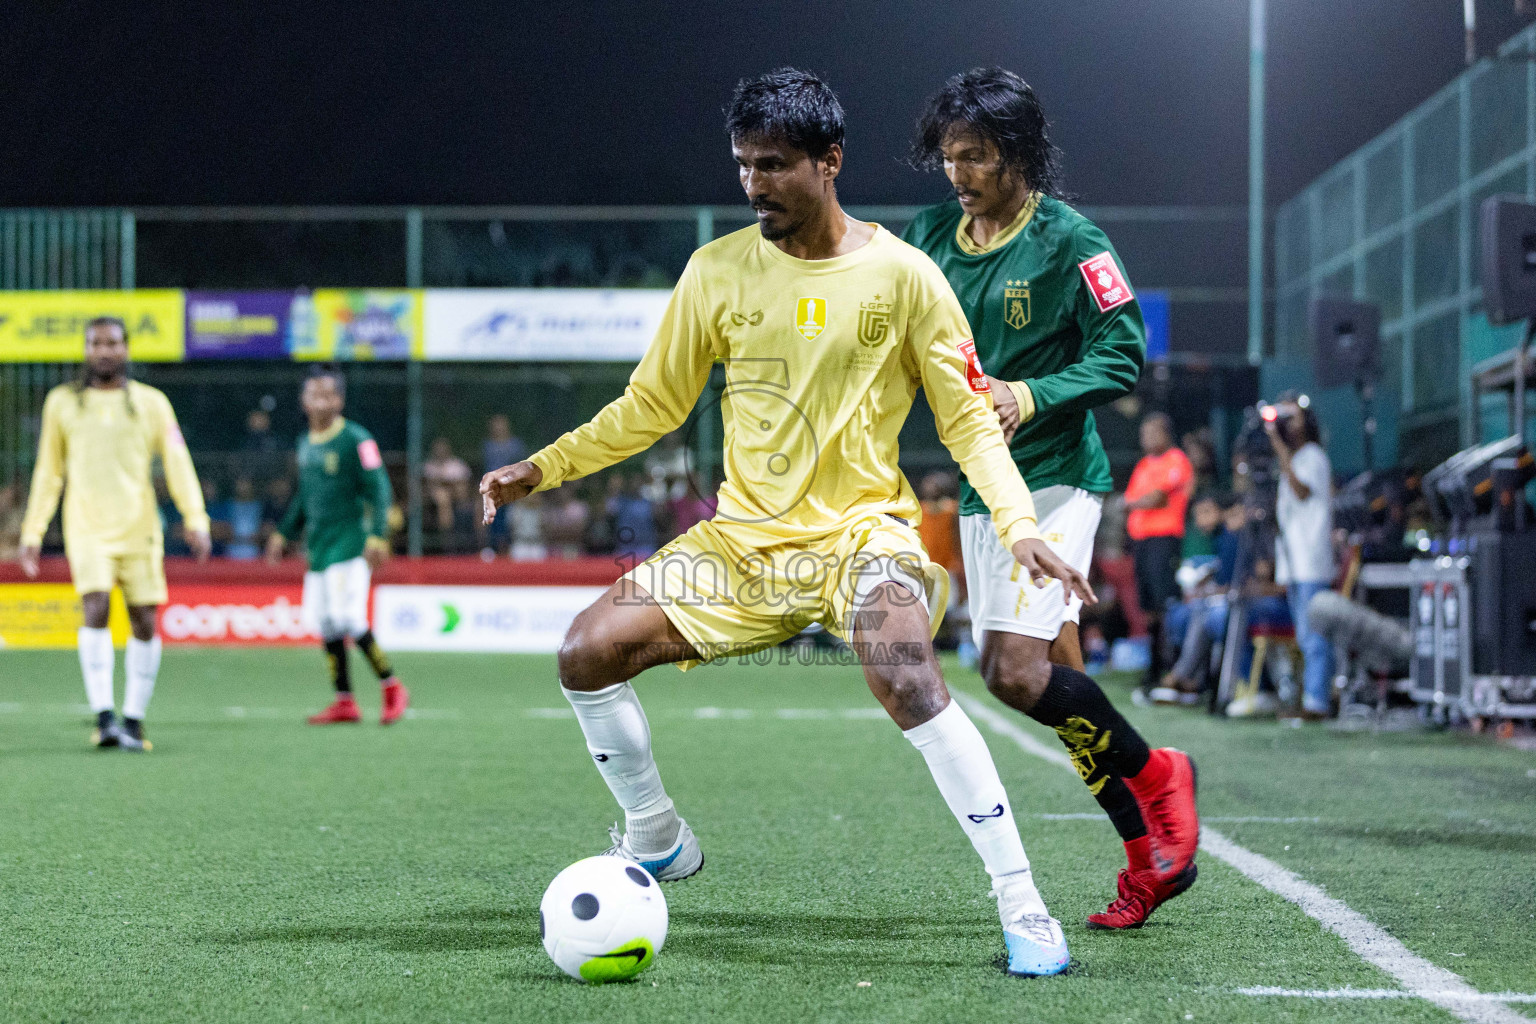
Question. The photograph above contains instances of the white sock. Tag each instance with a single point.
(619, 739)
(96, 662)
(962, 766)
(142, 665)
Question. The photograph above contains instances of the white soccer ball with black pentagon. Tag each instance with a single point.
(603, 919)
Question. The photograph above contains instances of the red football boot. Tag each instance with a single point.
(1165, 792)
(1140, 894)
(396, 699)
(343, 709)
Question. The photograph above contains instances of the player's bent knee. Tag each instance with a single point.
(585, 661)
(910, 692)
(1017, 681)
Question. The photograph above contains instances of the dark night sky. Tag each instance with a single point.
(609, 103)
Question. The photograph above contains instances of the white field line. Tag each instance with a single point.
(1378, 993)
(1418, 976)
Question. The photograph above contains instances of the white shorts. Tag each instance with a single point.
(336, 599)
(1002, 598)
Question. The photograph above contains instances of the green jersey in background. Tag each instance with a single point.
(343, 496)
(1049, 305)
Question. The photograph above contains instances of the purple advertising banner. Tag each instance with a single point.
(239, 325)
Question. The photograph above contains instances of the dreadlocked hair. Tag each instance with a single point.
(83, 378)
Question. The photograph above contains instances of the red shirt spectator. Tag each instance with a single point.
(1169, 474)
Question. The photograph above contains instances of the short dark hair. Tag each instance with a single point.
(998, 106)
(332, 371)
(108, 321)
(787, 105)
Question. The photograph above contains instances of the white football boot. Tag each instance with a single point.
(1036, 945)
(681, 860)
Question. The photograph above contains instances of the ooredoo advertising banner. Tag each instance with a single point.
(49, 327)
(557, 324)
(235, 613)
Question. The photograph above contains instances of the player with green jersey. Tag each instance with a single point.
(342, 507)
(1058, 332)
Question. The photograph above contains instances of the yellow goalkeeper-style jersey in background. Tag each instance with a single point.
(97, 445)
(822, 360)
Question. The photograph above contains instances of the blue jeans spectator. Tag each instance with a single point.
(1317, 676)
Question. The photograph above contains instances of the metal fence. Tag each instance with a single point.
(1395, 223)
(410, 404)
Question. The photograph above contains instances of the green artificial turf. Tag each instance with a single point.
(252, 868)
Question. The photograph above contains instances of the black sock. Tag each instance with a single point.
(1118, 803)
(336, 656)
(1101, 742)
(104, 718)
(375, 655)
(133, 727)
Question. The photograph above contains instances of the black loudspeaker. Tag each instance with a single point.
(1508, 258)
(1346, 336)
(1504, 603)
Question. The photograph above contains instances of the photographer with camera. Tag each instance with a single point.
(1304, 546)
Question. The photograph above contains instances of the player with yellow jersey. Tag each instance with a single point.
(827, 327)
(98, 439)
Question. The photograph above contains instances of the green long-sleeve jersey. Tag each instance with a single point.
(1050, 307)
(343, 496)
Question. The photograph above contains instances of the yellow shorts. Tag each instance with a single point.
(731, 589)
(140, 574)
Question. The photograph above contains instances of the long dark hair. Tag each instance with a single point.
(83, 379)
(998, 106)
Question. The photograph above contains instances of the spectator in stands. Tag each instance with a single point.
(687, 509)
(1194, 625)
(1304, 548)
(634, 518)
(500, 448)
(565, 523)
(1198, 446)
(261, 454)
(244, 514)
(275, 502)
(666, 465)
(447, 483)
(526, 521)
(1157, 500)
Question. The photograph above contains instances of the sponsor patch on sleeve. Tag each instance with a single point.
(173, 435)
(1105, 281)
(368, 454)
(975, 376)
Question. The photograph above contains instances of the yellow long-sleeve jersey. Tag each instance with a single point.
(100, 443)
(822, 361)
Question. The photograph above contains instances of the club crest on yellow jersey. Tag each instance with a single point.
(874, 323)
(810, 317)
(332, 463)
(1016, 304)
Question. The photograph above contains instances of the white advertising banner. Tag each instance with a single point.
(522, 620)
(537, 324)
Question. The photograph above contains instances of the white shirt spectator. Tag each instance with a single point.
(1304, 549)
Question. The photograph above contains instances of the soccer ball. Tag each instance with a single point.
(603, 919)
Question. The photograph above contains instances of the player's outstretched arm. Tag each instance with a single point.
(505, 485)
(661, 393)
